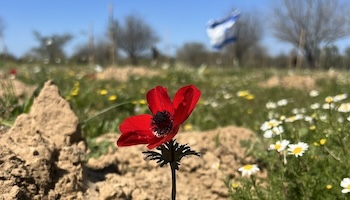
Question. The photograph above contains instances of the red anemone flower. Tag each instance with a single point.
(166, 118)
(12, 71)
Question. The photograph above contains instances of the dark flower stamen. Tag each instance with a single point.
(162, 123)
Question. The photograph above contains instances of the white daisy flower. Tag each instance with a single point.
(282, 102)
(279, 145)
(227, 96)
(273, 132)
(323, 118)
(345, 183)
(214, 104)
(328, 106)
(297, 149)
(298, 110)
(314, 93)
(340, 97)
(308, 119)
(344, 107)
(340, 119)
(271, 105)
(270, 124)
(315, 106)
(294, 118)
(249, 169)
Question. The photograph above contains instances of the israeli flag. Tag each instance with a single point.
(221, 32)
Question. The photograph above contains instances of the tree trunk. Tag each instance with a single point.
(133, 59)
(310, 58)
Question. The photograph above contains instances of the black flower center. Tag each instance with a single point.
(162, 123)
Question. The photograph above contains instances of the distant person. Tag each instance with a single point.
(155, 56)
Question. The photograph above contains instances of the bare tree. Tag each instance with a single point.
(309, 24)
(192, 53)
(330, 57)
(2, 28)
(51, 47)
(135, 37)
(347, 58)
(249, 32)
(101, 53)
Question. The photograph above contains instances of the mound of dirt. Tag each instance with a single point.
(123, 73)
(43, 157)
(15, 87)
(202, 177)
(290, 81)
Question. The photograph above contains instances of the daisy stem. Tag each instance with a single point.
(284, 153)
(256, 188)
(342, 144)
(173, 170)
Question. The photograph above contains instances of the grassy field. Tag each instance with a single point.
(316, 114)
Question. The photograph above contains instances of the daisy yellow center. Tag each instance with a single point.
(297, 150)
(162, 123)
(329, 99)
(278, 146)
(112, 98)
(272, 124)
(348, 187)
(250, 97)
(103, 92)
(248, 167)
(235, 185)
(243, 93)
(322, 141)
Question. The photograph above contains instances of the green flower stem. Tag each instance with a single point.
(104, 111)
(332, 154)
(342, 144)
(173, 165)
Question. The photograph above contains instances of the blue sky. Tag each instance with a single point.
(175, 22)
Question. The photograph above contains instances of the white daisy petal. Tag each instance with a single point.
(345, 183)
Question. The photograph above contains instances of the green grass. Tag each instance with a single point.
(304, 177)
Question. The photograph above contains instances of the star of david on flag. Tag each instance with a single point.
(221, 32)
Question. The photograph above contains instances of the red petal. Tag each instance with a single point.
(136, 130)
(184, 102)
(159, 141)
(159, 100)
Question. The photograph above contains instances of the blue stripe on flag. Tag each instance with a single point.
(221, 32)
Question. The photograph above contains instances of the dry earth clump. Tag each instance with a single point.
(123, 73)
(16, 87)
(290, 82)
(41, 155)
